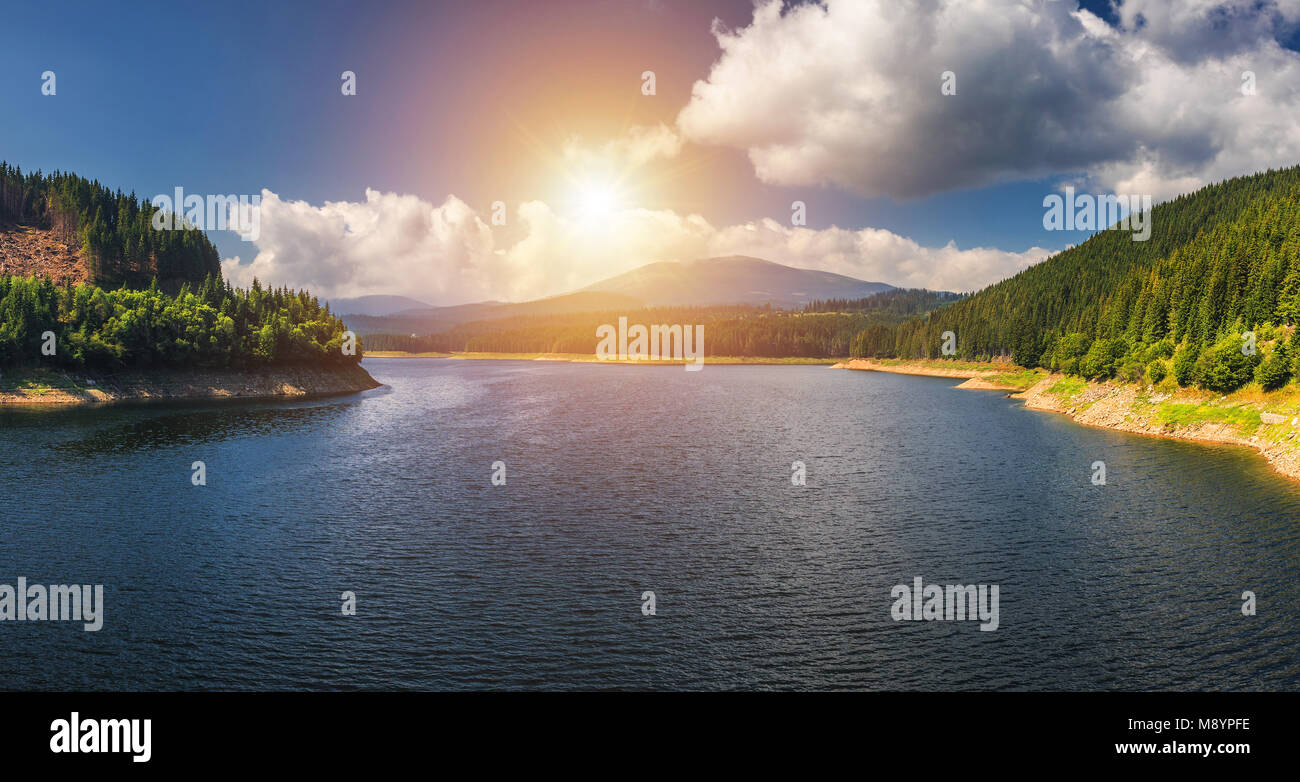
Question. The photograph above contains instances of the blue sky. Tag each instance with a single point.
(483, 101)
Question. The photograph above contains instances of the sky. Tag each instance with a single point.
(508, 150)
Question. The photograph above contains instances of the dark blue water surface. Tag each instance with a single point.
(622, 480)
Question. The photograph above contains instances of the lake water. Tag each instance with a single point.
(622, 480)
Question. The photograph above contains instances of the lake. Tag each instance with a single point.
(621, 480)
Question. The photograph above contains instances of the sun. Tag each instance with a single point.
(596, 199)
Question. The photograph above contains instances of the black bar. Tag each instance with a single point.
(330, 731)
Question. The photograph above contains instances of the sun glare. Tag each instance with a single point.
(596, 200)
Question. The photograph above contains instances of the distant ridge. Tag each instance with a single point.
(433, 319)
(376, 305)
(734, 279)
(710, 281)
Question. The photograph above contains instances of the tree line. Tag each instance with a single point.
(112, 230)
(821, 329)
(211, 325)
(1211, 299)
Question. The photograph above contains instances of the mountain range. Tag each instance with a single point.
(734, 279)
(704, 282)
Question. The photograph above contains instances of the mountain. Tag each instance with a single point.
(1220, 271)
(435, 319)
(735, 279)
(821, 330)
(376, 305)
(710, 281)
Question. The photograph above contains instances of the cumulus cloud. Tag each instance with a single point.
(449, 253)
(1193, 30)
(847, 93)
(873, 254)
(383, 242)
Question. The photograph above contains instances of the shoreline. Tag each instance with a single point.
(979, 376)
(1268, 423)
(586, 358)
(1185, 414)
(29, 388)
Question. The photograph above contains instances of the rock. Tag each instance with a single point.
(1272, 418)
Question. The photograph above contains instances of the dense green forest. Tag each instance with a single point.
(112, 230)
(896, 305)
(821, 329)
(210, 326)
(1211, 298)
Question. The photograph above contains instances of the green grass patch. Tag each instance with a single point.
(37, 382)
(1176, 414)
(1020, 381)
(1068, 387)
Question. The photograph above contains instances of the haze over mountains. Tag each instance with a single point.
(704, 282)
(377, 305)
(432, 319)
(735, 279)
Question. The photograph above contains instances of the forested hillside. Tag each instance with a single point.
(821, 329)
(1212, 297)
(112, 231)
(211, 326)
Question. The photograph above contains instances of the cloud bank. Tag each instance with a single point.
(847, 93)
(450, 253)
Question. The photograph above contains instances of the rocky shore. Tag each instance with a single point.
(1270, 426)
(1267, 422)
(65, 387)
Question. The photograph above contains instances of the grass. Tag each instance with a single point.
(1021, 380)
(1068, 387)
(1010, 376)
(1176, 414)
(37, 382)
(945, 363)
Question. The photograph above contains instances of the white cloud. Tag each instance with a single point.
(449, 253)
(386, 242)
(641, 144)
(873, 254)
(1193, 30)
(847, 93)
